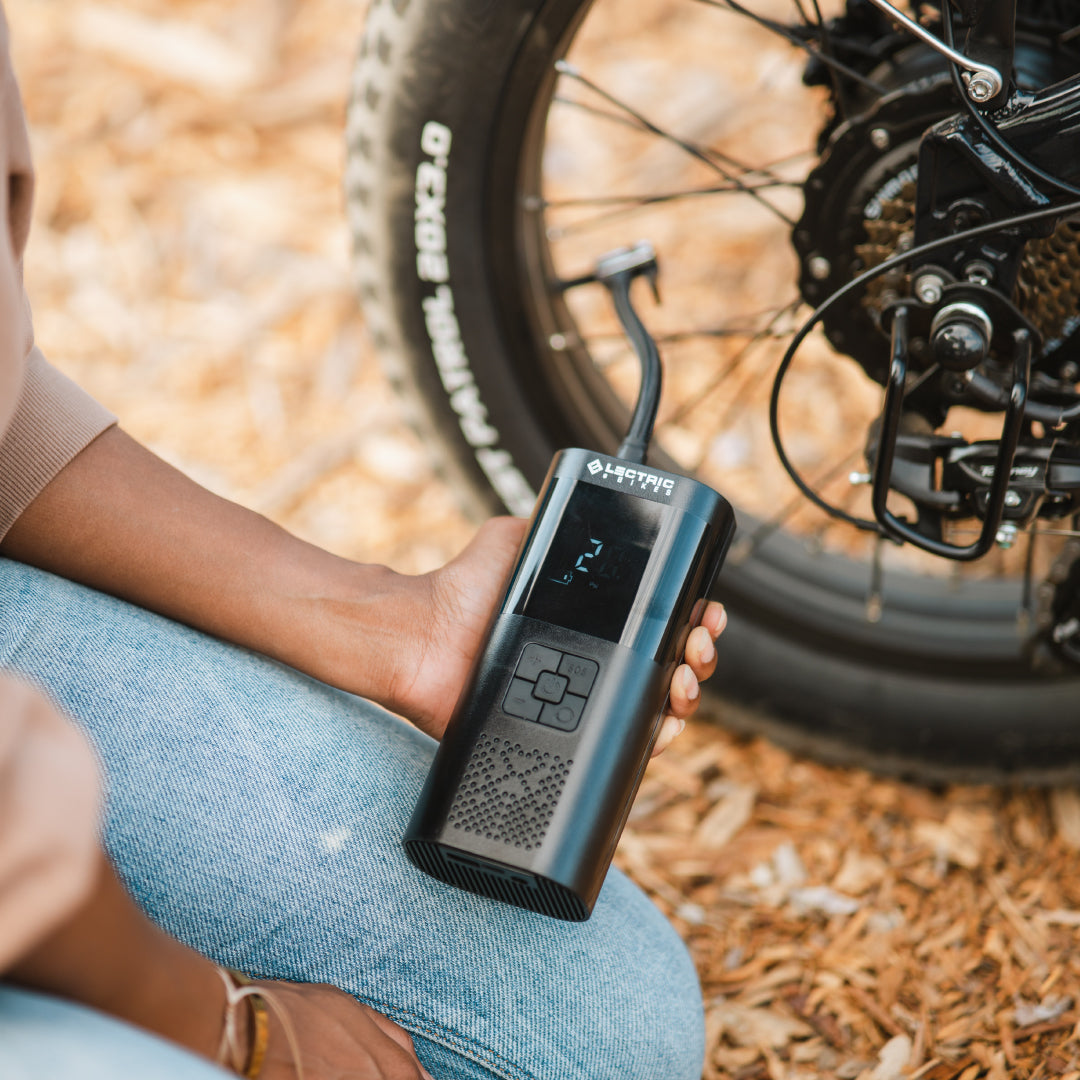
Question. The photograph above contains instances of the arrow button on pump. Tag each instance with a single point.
(550, 687)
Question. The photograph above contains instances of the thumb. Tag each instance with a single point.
(491, 551)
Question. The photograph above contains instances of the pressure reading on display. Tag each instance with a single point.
(581, 566)
(591, 573)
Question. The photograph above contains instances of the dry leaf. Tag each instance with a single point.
(961, 838)
(822, 898)
(1065, 805)
(757, 1027)
(727, 817)
(1050, 1008)
(893, 1059)
(858, 873)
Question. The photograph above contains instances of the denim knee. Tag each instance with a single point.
(258, 816)
(616, 998)
(650, 1014)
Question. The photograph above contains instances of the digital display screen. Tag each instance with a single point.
(595, 563)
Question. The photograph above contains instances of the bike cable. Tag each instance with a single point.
(988, 129)
(819, 313)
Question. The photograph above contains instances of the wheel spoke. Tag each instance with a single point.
(624, 206)
(750, 328)
(744, 549)
(1027, 592)
(661, 197)
(766, 170)
(802, 11)
(677, 337)
(766, 333)
(603, 114)
(684, 144)
(789, 35)
(875, 604)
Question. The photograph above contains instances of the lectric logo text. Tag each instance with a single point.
(638, 478)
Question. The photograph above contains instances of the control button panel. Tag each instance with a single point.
(551, 687)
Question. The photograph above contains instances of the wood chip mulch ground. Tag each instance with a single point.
(852, 926)
(189, 265)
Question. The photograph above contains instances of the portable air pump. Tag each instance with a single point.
(533, 781)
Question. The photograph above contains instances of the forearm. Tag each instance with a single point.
(122, 521)
(109, 956)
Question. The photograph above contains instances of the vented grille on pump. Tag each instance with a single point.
(511, 887)
(508, 792)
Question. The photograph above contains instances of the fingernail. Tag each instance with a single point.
(682, 728)
(690, 685)
(708, 652)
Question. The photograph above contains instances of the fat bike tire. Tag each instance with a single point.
(439, 121)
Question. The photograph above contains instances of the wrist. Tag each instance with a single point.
(110, 957)
(352, 625)
(176, 994)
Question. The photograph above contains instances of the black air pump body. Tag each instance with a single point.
(533, 781)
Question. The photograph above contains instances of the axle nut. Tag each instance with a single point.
(960, 336)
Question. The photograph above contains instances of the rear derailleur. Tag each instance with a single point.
(973, 348)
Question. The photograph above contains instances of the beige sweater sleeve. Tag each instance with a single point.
(48, 419)
(53, 421)
(49, 788)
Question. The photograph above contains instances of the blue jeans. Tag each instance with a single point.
(256, 815)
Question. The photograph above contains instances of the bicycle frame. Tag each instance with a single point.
(976, 169)
(991, 38)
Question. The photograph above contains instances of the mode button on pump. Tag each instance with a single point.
(565, 715)
(519, 701)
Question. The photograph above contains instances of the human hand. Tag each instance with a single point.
(462, 596)
(407, 642)
(48, 827)
(110, 957)
(699, 662)
(337, 1038)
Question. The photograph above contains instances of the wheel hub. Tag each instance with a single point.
(860, 211)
